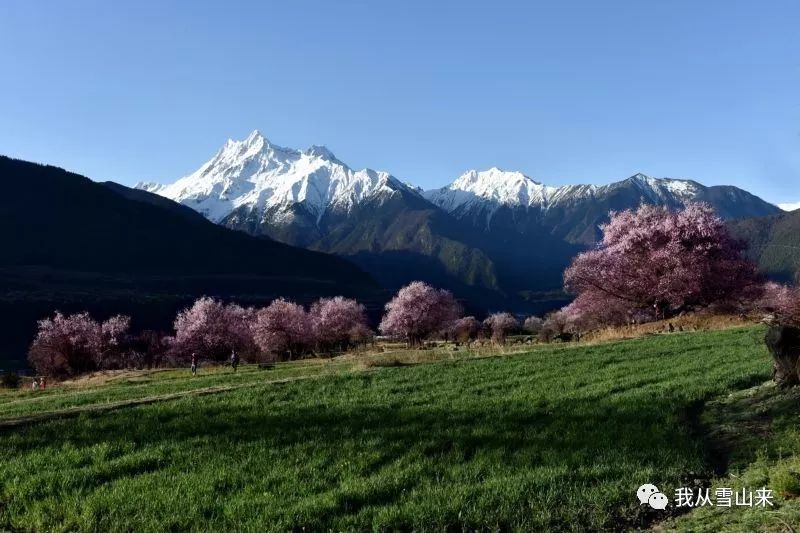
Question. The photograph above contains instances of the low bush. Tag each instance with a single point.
(10, 380)
(785, 482)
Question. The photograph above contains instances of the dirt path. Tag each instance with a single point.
(15, 422)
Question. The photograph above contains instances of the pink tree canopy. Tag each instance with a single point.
(557, 324)
(283, 327)
(533, 324)
(666, 261)
(212, 329)
(594, 309)
(67, 345)
(464, 329)
(417, 311)
(782, 301)
(501, 324)
(338, 322)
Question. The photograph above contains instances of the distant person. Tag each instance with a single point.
(35, 384)
(42, 383)
(234, 360)
(194, 364)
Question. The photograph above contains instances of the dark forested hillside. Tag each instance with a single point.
(774, 242)
(70, 243)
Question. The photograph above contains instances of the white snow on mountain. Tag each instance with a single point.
(496, 188)
(261, 175)
(149, 186)
(790, 207)
(269, 180)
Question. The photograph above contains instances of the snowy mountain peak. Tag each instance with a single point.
(493, 186)
(320, 151)
(255, 136)
(263, 179)
(253, 182)
(491, 189)
(149, 186)
(680, 190)
(493, 177)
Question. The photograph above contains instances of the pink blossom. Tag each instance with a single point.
(283, 327)
(417, 311)
(661, 260)
(465, 329)
(212, 329)
(782, 301)
(67, 345)
(533, 325)
(501, 324)
(338, 322)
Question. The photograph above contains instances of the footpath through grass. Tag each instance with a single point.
(558, 438)
(145, 384)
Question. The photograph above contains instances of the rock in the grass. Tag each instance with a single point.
(783, 342)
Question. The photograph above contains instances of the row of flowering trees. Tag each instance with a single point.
(652, 263)
(67, 345)
(420, 312)
(285, 329)
(73, 344)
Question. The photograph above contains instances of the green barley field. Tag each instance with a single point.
(556, 438)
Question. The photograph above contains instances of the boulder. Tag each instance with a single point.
(783, 342)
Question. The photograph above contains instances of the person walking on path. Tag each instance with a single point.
(194, 364)
(234, 360)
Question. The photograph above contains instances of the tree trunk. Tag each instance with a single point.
(783, 342)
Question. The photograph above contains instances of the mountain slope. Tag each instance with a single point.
(532, 231)
(259, 183)
(78, 244)
(494, 237)
(773, 242)
(154, 199)
(309, 198)
(83, 225)
(574, 212)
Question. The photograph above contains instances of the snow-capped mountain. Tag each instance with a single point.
(266, 183)
(494, 188)
(263, 188)
(532, 231)
(490, 187)
(310, 198)
(488, 233)
(480, 196)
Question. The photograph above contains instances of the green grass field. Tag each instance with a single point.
(557, 438)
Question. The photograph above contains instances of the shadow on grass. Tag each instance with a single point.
(577, 435)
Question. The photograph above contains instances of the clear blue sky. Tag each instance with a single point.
(565, 91)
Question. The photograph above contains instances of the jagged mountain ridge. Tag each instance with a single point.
(574, 212)
(493, 230)
(264, 188)
(495, 187)
(310, 198)
(256, 178)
